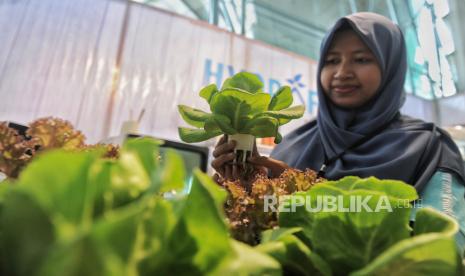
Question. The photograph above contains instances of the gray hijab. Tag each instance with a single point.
(373, 140)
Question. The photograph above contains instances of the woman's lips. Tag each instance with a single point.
(344, 89)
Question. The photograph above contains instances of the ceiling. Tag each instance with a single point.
(299, 26)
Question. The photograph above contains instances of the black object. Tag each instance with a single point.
(185, 150)
(20, 128)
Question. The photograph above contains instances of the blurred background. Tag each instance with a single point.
(101, 63)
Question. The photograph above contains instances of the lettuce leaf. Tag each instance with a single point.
(208, 91)
(432, 251)
(244, 81)
(281, 99)
(194, 117)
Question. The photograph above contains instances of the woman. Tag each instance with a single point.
(359, 129)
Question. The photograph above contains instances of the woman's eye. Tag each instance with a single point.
(331, 61)
(363, 60)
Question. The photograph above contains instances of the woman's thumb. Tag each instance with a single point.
(275, 166)
(260, 161)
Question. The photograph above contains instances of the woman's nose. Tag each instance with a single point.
(343, 71)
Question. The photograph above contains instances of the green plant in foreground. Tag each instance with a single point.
(239, 107)
(86, 215)
(364, 242)
(80, 214)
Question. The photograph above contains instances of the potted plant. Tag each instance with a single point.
(241, 110)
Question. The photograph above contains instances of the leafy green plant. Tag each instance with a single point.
(87, 215)
(79, 213)
(364, 242)
(239, 107)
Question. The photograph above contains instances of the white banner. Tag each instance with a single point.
(100, 63)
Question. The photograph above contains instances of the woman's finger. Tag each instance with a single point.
(224, 148)
(219, 163)
(255, 150)
(218, 179)
(222, 140)
(235, 171)
(220, 171)
(228, 172)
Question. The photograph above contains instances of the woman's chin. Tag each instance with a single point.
(347, 103)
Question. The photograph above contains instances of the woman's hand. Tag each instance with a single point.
(222, 163)
(268, 165)
(224, 157)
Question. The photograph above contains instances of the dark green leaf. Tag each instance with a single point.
(159, 224)
(262, 127)
(147, 149)
(186, 250)
(176, 256)
(27, 234)
(225, 124)
(281, 99)
(190, 135)
(428, 220)
(428, 254)
(237, 104)
(59, 181)
(392, 188)
(248, 261)
(294, 112)
(284, 121)
(128, 179)
(172, 173)
(82, 256)
(295, 257)
(192, 116)
(208, 91)
(298, 217)
(277, 234)
(118, 232)
(245, 81)
(118, 182)
(361, 234)
(278, 138)
(204, 203)
(211, 126)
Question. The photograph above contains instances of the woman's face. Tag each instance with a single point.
(351, 74)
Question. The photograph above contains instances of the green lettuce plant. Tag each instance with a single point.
(239, 107)
(87, 215)
(359, 243)
(80, 214)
